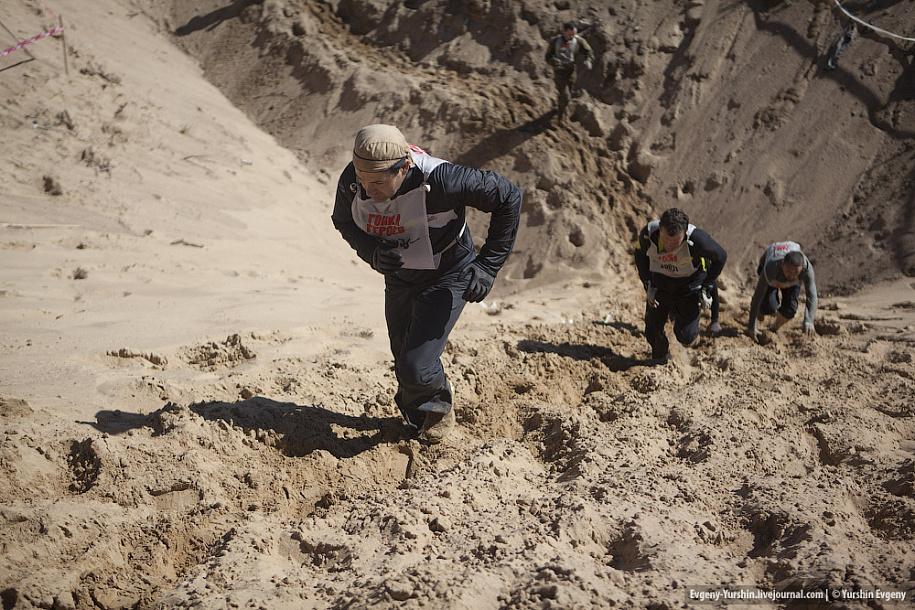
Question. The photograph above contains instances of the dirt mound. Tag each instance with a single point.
(578, 475)
(726, 111)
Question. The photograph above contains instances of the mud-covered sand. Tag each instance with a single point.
(196, 394)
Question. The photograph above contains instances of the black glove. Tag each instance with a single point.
(479, 282)
(386, 260)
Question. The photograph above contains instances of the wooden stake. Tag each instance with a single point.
(63, 40)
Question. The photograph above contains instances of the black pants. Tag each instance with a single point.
(419, 320)
(770, 302)
(564, 77)
(685, 309)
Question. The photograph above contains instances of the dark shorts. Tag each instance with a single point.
(789, 300)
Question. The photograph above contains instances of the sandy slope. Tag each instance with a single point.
(195, 394)
(725, 109)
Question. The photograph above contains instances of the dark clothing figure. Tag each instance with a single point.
(409, 223)
(674, 280)
(561, 54)
(848, 36)
(783, 267)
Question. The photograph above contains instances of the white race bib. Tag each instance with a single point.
(678, 263)
(401, 222)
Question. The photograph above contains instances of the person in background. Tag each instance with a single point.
(404, 213)
(782, 268)
(561, 54)
(679, 265)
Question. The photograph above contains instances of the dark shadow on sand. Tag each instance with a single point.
(214, 18)
(613, 361)
(503, 141)
(297, 430)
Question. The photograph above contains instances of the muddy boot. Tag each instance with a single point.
(556, 118)
(661, 360)
(562, 109)
(437, 426)
(439, 416)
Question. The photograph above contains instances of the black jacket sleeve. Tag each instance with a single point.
(488, 192)
(703, 245)
(643, 242)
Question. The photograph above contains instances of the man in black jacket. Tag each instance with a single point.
(678, 265)
(404, 213)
